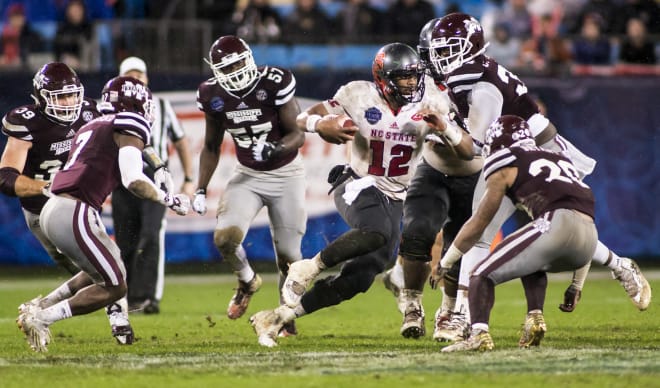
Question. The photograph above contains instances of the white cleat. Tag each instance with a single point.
(266, 325)
(300, 276)
(634, 282)
(456, 328)
(36, 331)
(477, 341)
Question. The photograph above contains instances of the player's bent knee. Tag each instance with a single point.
(228, 239)
(416, 249)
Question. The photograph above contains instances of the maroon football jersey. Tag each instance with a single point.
(546, 180)
(92, 170)
(484, 69)
(51, 142)
(252, 115)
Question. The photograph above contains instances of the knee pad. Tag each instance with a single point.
(227, 239)
(416, 248)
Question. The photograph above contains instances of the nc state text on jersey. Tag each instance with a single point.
(394, 136)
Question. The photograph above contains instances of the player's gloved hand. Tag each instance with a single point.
(571, 297)
(180, 203)
(263, 150)
(437, 275)
(163, 180)
(199, 201)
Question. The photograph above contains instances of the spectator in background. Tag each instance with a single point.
(549, 46)
(358, 22)
(308, 23)
(648, 11)
(406, 18)
(140, 223)
(257, 22)
(636, 46)
(605, 9)
(504, 48)
(18, 38)
(73, 36)
(516, 15)
(591, 47)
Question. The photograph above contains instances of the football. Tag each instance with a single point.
(346, 122)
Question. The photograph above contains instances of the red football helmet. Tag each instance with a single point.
(456, 39)
(507, 131)
(58, 92)
(394, 61)
(127, 94)
(232, 63)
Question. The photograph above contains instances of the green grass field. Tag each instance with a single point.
(606, 342)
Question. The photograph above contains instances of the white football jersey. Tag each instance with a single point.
(388, 145)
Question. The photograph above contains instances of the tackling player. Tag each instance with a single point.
(561, 237)
(484, 90)
(390, 118)
(258, 108)
(105, 152)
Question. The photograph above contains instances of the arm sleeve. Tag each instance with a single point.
(130, 166)
(485, 106)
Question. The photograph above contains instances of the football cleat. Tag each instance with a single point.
(456, 329)
(239, 302)
(413, 316)
(266, 325)
(288, 330)
(478, 340)
(36, 331)
(571, 298)
(533, 330)
(300, 276)
(120, 325)
(634, 282)
(442, 319)
(31, 304)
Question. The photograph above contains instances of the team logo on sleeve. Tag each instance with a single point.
(87, 116)
(373, 115)
(261, 95)
(217, 104)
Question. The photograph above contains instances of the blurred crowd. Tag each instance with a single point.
(538, 36)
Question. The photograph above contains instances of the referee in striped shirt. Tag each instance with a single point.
(140, 224)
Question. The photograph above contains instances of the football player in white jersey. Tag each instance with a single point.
(389, 120)
(483, 90)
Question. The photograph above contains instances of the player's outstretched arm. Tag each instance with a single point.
(12, 182)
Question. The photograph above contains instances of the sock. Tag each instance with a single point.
(396, 276)
(462, 305)
(606, 257)
(535, 311)
(580, 275)
(57, 295)
(57, 312)
(448, 303)
(245, 273)
(477, 327)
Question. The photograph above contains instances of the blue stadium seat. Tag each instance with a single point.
(271, 54)
(310, 55)
(352, 56)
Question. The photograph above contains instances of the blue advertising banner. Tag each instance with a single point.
(613, 120)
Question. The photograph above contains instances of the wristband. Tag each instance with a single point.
(187, 179)
(453, 134)
(451, 256)
(311, 122)
(200, 192)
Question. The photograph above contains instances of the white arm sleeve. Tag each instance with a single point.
(130, 166)
(485, 106)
